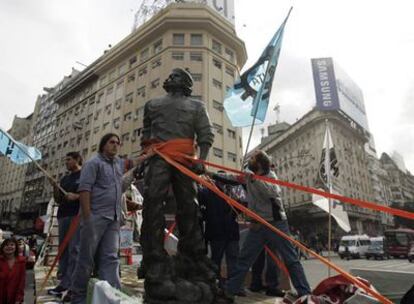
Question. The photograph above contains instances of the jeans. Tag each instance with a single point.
(99, 235)
(253, 245)
(271, 274)
(67, 260)
(228, 248)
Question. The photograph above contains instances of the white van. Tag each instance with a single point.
(353, 246)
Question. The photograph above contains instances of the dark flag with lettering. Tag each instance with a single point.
(248, 99)
(16, 151)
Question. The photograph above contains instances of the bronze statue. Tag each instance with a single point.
(188, 277)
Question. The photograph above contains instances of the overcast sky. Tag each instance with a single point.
(373, 41)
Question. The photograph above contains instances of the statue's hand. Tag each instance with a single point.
(199, 168)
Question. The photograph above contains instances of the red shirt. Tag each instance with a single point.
(12, 280)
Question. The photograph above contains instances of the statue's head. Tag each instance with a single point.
(179, 81)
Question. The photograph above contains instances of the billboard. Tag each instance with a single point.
(335, 90)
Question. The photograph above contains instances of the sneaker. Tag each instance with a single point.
(275, 292)
(67, 298)
(57, 291)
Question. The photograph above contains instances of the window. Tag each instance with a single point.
(231, 156)
(216, 46)
(122, 68)
(118, 103)
(144, 54)
(109, 90)
(99, 98)
(111, 75)
(142, 71)
(155, 83)
(217, 63)
(177, 56)
(129, 98)
(157, 47)
(231, 133)
(97, 113)
(116, 122)
(217, 105)
(196, 56)
(198, 97)
(105, 125)
(94, 147)
(132, 60)
(196, 77)
(91, 102)
(139, 112)
(230, 71)
(218, 152)
(102, 81)
(196, 39)
(230, 54)
(131, 77)
(137, 132)
(96, 130)
(127, 116)
(217, 84)
(156, 63)
(125, 137)
(218, 128)
(141, 91)
(178, 39)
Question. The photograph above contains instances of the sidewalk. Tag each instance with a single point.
(132, 286)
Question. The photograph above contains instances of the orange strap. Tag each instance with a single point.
(277, 261)
(72, 229)
(256, 217)
(353, 201)
(181, 149)
(170, 230)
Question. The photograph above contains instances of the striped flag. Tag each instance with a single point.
(16, 151)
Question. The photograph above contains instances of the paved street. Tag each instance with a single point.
(316, 271)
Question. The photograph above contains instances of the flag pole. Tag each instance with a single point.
(37, 165)
(329, 184)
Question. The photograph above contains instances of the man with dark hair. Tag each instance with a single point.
(264, 199)
(175, 120)
(100, 190)
(68, 209)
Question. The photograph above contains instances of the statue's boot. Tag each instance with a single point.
(158, 280)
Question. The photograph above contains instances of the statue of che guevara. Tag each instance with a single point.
(188, 277)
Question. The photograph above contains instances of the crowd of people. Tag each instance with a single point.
(94, 191)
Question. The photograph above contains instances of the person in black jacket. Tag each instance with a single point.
(221, 228)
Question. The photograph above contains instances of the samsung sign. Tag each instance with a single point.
(335, 90)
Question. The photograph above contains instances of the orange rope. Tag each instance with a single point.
(277, 261)
(256, 217)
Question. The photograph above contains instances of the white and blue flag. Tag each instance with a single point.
(16, 151)
(248, 99)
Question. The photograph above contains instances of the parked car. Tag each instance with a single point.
(377, 249)
(399, 241)
(411, 254)
(353, 246)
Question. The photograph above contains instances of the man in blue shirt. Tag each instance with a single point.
(100, 190)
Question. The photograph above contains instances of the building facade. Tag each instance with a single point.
(110, 94)
(13, 175)
(296, 151)
(37, 191)
(402, 182)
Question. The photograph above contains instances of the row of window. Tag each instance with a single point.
(219, 154)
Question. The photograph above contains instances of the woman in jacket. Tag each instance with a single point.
(12, 273)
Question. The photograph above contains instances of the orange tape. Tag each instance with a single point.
(256, 217)
(170, 231)
(277, 261)
(72, 229)
(357, 202)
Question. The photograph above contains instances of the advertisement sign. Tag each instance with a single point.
(325, 84)
(335, 90)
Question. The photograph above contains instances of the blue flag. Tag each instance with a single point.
(248, 99)
(17, 152)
